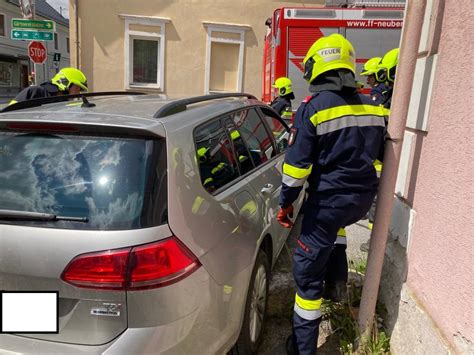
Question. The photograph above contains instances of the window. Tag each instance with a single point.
(2, 25)
(216, 159)
(6, 74)
(56, 44)
(224, 57)
(144, 61)
(67, 45)
(243, 155)
(255, 135)
(108, 180)
(144, 51)
(277, 128)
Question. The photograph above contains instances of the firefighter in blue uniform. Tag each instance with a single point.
(337, 135)
(385, 74)
(386, 71)
(282, 103)
(377, 89)
(68, 81)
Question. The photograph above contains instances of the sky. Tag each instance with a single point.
(60, 3)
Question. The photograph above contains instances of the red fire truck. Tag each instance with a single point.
(372, 32)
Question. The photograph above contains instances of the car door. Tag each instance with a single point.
(265, 177)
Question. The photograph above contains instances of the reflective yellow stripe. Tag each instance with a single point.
(309, 305)
(287, 113)
(207, 181)
(242, 158)
(371, 225)
(217, 168)
(386, 111)
(297, 173)
(346, 110)
(378, 165)
(197, 204)
(341, 232)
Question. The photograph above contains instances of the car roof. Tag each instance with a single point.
(129, 111)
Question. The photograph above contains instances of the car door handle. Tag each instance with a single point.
(267, 189)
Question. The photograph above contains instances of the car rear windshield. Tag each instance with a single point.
(113, 183)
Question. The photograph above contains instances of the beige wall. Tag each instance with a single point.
(101, 39)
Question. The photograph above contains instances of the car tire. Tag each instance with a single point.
(255, 308)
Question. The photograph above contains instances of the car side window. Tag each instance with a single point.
(216, 159)
(242, 153)
(279, 131)
(255, 135)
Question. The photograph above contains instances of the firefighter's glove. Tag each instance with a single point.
(284, 215)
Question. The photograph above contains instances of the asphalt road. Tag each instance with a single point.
(282, 293)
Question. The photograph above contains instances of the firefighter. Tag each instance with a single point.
(386, 71)
(68, 81)
(282, 103)
(335, 282)
(336, 136)
(377, 89)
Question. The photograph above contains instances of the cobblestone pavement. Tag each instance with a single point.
(282, 293)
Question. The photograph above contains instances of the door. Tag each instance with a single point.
(265, 177)
(24, 76)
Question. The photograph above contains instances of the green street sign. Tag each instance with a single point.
(18, 23)
(32, 35)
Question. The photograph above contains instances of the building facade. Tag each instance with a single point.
(15, 67)
(428, 277)
(174, 47)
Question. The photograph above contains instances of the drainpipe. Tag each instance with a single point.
(76, 18)
(396, 128)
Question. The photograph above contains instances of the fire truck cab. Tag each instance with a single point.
(292, 30)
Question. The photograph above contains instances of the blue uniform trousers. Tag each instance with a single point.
(321, 222)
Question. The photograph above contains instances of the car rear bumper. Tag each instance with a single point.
(209, 327)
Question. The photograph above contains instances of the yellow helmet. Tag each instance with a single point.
(388, 66)
(70, 76)
(328, 53)
(284, 86)
(370, 66)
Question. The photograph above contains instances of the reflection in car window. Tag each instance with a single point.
(241, 151)
(103, 179)
(217, 163)
(278, 130)
(255, 135)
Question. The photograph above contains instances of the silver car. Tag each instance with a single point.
(154, 219)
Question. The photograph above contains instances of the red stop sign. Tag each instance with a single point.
(37, 52)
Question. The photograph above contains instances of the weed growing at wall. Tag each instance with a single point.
(342, 317)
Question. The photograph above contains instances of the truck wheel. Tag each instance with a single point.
(255, 308)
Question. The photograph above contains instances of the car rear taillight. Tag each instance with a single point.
(142, 267)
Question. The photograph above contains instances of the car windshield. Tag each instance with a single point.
(110, 181)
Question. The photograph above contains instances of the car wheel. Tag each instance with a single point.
(255, 308)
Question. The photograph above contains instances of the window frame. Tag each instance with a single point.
(160, 37)
(269, 133)
(68, 44)
(221, 118)
(4, 24)
(273, 114)
(225, 28)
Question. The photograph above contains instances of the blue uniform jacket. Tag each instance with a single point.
(333, 143)
(281, 105)
(45, 89)
(377, 93)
